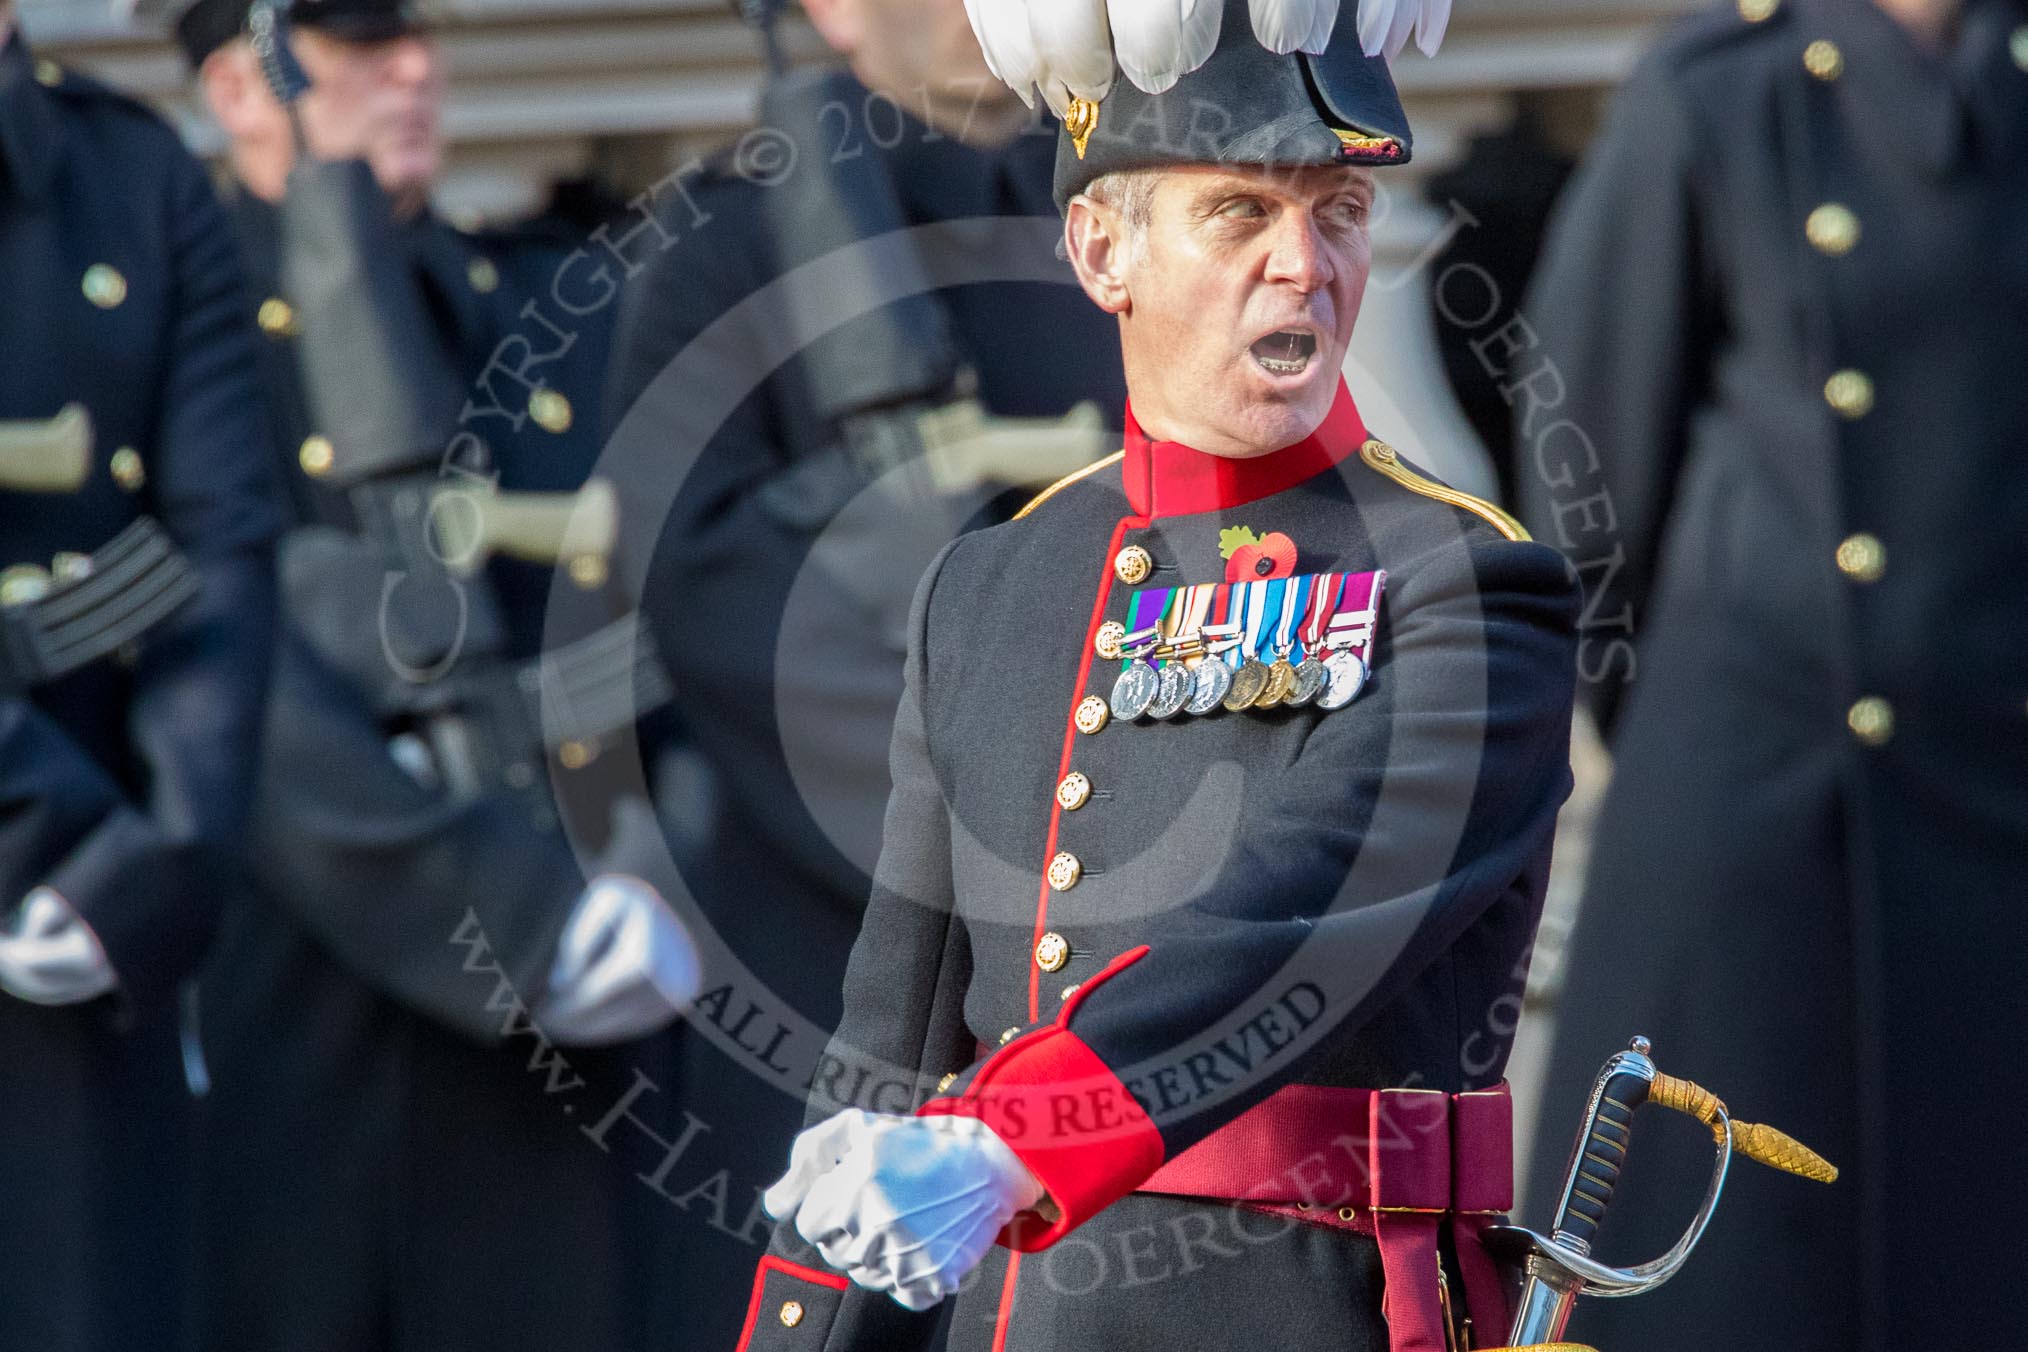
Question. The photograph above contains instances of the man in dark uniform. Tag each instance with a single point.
(807, 518)
(1224, 789)
(137, 606)
(393, 1145)
(1776, 416)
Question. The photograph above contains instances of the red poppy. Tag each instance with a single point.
(1273, 556)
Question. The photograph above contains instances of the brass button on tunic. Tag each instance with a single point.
(1871, 720)
(1074, 792)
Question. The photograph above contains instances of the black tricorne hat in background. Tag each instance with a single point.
(1244, 106)
(209, 24)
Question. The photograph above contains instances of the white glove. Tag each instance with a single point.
(49, 955)
(624, 967)
(905, 1205)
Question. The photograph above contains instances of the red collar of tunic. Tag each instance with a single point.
(1168, 478)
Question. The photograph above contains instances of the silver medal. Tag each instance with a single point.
(1212, 680)
(1134, 691)
(1311, 677)
(1347, 678)
(1173, 691)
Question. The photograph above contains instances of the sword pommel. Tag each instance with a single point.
(1755, 1140)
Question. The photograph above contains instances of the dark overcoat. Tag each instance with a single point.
(393, 1153)
(779, 592)
(124, 786)
(1785, 309)
(1029, 929)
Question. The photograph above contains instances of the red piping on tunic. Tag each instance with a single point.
(1070, 736)
(1006, 1314)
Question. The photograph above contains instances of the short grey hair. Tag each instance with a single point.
(1131, 193)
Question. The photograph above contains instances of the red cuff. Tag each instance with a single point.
(1066, 1115)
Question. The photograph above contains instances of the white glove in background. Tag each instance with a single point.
(905, 1205)
(49, 955)
(625, 966)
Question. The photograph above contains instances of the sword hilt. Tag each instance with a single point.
(1620, 1090)
(1559, 1267)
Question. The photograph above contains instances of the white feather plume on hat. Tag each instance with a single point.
(1160, 41)
(1069, 48)
(1073, 49)
(1384, 25)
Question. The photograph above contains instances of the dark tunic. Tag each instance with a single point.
(1394, 851)
(780, 591)
(124, 786)
(1787, 304)
(393, 1154)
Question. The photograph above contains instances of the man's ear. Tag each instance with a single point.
(838, 22)
(232, 86)
(1095, 236)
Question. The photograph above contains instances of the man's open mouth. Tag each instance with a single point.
(1286, 352)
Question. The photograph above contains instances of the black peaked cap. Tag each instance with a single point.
(1246, 105)
(209, 24)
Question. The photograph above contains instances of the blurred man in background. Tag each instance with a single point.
(875, 404)
(1776, 418)
(392, 1156)
(137, 608)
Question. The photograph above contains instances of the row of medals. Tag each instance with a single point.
(1144, 690)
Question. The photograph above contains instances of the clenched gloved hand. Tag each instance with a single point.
(905, 1205)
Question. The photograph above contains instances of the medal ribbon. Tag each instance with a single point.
(1246, 601)
(1296, 599)
(1174, 612)
(1144, 621)
(1323, 604)
(1196, 605)
(1262, 620)
(1353, 630)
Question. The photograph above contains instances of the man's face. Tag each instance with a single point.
(377, 101)
(1240, 301)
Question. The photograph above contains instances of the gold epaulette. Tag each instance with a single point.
(1380, 456)
(1067, 480)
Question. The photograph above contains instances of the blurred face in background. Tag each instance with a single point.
(380, 101)
(1933, 22)
(921, 53)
